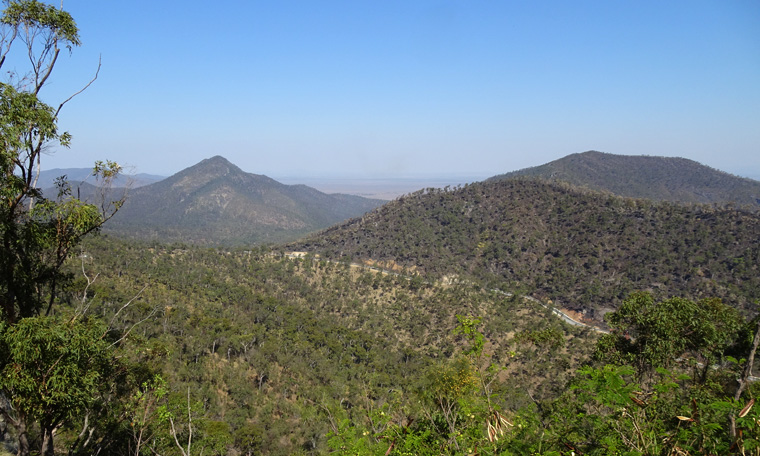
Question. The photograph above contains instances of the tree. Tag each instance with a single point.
(52, 370)
(37, 233)
(646, 401)
(51, 367)
(648, 334)
(148, 410)
(248, 438)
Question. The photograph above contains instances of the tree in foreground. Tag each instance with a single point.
(53, 370)
(667, 384)
(50, 366)
(37, 233)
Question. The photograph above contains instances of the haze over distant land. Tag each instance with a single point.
(398, 88)
(378, 187)
(653, 177)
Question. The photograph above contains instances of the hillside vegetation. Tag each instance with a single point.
(583, 249)
(290, 347)
(125, 348)
(265, 354)
(656, 178)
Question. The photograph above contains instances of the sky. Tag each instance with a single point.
(387, 88)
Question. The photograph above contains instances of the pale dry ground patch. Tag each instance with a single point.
(380, 297)
(391, 267)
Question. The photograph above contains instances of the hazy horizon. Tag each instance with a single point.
(749, 171)
(399, 88)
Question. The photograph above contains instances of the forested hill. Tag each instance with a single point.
(584, 249)
(278, 350)
(657, 178)
(215, 202)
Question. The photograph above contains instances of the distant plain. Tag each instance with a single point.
(387, 188)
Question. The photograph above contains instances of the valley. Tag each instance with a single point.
(481, 315)
(308, 334)
(445, 303)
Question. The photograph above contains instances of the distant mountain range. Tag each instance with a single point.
(75, 175)
(214, 202)
(656, 178)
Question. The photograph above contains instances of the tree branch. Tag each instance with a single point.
(97, 72)
(110, 323)
(133, 327)
(41, 82)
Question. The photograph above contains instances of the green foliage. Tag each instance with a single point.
(349, 439)
(275, 343)
(605, 410)
(651, 334)
(52, 368)
(468, 327)
(316, 357)
(25, 121)
(57, 373)
(148, 412)
(550, 338)
(446, 384)
(609, 412)
(34, 242)
(37, 233)
(649, 403)
(583, 249)
(606, 385)
(248, 438)
(38, 17)
(52, 371)
(217, 438)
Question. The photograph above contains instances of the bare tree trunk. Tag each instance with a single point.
(47, 441)
(23, 438)
(189, 429)
(745, 378)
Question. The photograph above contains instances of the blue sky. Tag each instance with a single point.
(413, 87)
